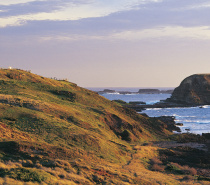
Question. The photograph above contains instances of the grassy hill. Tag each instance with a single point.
(54, 132)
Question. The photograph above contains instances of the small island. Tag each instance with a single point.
(141, 91)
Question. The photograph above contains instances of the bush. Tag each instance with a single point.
(155, 161)
(127, 135)
(189, 171)
(174, 168)
(24, 174)
(156, 167)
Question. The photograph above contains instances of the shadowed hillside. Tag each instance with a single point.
(55, 132)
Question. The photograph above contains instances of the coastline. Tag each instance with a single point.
(135, 102)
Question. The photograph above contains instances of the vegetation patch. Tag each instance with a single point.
(25, 174)
(65, 95)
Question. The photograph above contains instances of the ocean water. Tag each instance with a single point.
(195, 119)
(148, 98)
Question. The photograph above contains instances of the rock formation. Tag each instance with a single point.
(149, 91)
(194, 89)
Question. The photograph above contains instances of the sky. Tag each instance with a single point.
(107, 43)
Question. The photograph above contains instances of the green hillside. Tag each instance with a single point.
(54, 132)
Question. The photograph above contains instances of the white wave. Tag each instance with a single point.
(154, 108)
(114, 93)
(175, 115)
(178, 120)
(185, 116)
(206, 106)
(196, 121)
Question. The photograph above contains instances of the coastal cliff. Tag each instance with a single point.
(194, 89)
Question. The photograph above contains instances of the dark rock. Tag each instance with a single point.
(179, 124)
(162, 104)
(106, 91)
(109, 91)
(137, 103)
(149, 91)
(167, 91)
(170, 122)
(155, 91)
(125, 92)
(206, 135)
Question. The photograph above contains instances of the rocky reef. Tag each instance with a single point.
(193, 90)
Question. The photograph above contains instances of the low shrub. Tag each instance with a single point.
(188, 178)
(156, 167)
(24, 174)
(174, 168)
(155, 161)
(204, 178)
(189, 171)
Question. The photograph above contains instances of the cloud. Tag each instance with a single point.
(201, 33)
(69, 10)
(177, 32)
(198, 6)
(12, 2)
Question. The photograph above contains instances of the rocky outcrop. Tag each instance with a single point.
(149, 91)
(154, 91)
(141, 91)
(194, 90)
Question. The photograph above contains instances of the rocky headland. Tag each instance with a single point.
(193, 90)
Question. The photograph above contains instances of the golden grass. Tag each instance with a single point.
(9, 181)
(9, 133)
(10, 164)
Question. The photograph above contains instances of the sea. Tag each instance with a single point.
(195, 119)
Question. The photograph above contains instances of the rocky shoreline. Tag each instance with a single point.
(162, 104)
(170, 123)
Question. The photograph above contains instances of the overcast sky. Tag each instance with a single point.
(107, 43)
